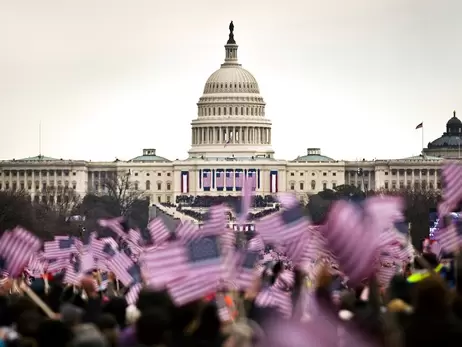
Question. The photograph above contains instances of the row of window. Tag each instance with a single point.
(104, 174)
(417, 185)
(215, 86)
(136, 186)
(394, 172)
(312, 185)
(230, 111)
(312, 174)
(22, 186)
(44, 173)
(430, 172)
(51, 199)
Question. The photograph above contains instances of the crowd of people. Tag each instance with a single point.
(268, 202)
(410, 312)
(258, 201)
(285, 282)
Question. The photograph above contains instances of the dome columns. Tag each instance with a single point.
(231, 135)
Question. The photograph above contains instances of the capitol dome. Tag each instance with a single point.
(231, 119)
(231, 79)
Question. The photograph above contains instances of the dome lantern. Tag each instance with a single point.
(454, 125)
(231, 48)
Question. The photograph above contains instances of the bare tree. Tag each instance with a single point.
(122, 191)
(63, 201)
(15, 209)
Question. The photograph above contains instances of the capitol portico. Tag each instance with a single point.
(231, 140)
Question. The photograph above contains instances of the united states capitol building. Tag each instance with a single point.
(230, 139)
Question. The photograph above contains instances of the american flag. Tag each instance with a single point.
(320, 332)
(133, 293)
(229, 179)
(385, 214)
(74, 272)
(256, 244)
(316, 246)
(119, 263)
(87, 258)
(449, 237)
(36, 266)
(191, 269)
(134, 236)
(285, 229)
(239, 179)
(99, 247)
(287, 200)
(207, 179)
(55, 265)
(385, 273)
(115, 225)
(436, 249)
(220, 180)
(60, 248)
(191, 288)
(214, 221)
(158, 232)
(187, 231)
(276, 297)
(451, 179)
(346, 236)
(16, 249)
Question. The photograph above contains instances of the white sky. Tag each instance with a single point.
(109, 77)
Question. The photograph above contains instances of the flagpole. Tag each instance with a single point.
(422, 140)
(40, 138)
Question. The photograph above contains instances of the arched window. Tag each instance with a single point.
(247, 111)
(242, 111)
(251, 111)
(159, 185)
(169, 185)
(214, 111)
(219, 111)
(136, 185)
(313, 185)
(230, 111)
(224, 111)
(148, 185)
(236, 111)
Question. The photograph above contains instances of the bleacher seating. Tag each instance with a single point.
(207, 201)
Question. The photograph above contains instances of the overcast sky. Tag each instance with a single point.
(107, 78)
